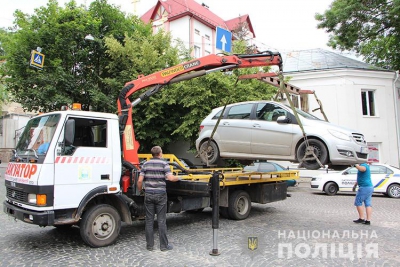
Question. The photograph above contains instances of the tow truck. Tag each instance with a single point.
(73, 167)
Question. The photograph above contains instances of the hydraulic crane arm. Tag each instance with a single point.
(185, 71)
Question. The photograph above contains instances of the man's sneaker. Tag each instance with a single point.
(169, 247)
(149, 248)
(359, 221)
(367, 222)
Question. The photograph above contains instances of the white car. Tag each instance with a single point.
(385, 179)
(268, 130)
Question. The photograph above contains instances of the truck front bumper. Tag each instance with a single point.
(42, 218)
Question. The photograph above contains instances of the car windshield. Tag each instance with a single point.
(37, 135)
(305, 114)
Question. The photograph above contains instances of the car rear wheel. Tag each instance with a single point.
(394, 191)
(309, 162)
(209, 153)
(331, 189)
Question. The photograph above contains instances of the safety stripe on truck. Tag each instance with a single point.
(87, 160)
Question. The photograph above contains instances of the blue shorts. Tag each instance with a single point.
(364, 194)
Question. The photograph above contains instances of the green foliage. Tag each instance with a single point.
(93, 73)
(75, 69)
(371, 28)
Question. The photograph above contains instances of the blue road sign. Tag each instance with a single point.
(37, 59)
(224, 40)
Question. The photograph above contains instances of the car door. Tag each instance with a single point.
(347, 179)
(234, 129)
(379, 177)
(268, 137)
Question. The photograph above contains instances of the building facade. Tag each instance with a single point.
(353, 94)
(195, 25)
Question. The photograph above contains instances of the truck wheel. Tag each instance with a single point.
(100, 226)
(239, 205)
(209, 153)
(394, 191)
(331, 189)
(320, 151)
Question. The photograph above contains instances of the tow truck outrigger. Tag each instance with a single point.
(83, 180)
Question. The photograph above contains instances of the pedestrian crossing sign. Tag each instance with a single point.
(37, 59)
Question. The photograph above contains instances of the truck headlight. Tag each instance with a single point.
(339, 135)
(37, 199)
(32, 198)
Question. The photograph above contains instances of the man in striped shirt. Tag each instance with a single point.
(154, 174)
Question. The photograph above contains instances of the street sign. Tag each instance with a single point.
(224, 40)
(37, 59)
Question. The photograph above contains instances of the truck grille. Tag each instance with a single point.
(17, 195)
(359, 138)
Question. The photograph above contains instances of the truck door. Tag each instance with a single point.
(84, 165)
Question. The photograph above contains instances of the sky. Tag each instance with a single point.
(282, 25)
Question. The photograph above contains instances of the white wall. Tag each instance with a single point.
(181, 28)
(11, 123)
(340, 94)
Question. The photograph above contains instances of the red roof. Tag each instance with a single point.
(233, 23)
(180, 8)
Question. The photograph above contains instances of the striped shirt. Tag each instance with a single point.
(155, 172)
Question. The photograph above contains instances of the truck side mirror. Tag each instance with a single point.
(69, 132)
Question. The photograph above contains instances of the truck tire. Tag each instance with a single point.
(209, 153)
(100, 226)
(331, 189)
(239, 205)
(394, 191)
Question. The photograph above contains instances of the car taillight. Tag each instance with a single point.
(201, 128)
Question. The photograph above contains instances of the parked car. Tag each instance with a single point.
(385, 179)
(269, 130)
(268, 166)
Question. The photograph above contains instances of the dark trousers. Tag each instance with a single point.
(156, 204)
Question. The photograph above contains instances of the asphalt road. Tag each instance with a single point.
(307, 229)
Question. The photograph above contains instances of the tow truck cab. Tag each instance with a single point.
(62, 159)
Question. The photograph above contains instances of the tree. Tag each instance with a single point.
(370, 28)
(75, 69)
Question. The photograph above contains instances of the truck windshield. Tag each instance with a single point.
(37, 135)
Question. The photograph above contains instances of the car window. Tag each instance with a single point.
(216, 117)
(266, 167)
(352, 170)
(240, 111)
(375, 169)
(269, 112)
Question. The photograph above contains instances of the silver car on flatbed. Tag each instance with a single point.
(269, 130)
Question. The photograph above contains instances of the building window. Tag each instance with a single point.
(207, 37)
(207, 52)
(196, 31)
(196, 51)
(368, 102)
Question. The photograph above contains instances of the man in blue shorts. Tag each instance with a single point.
(364, 193)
